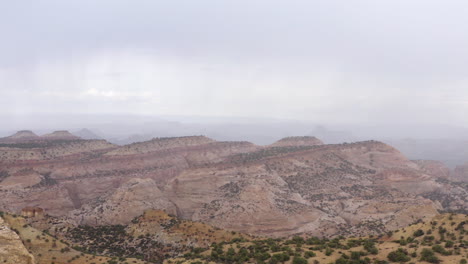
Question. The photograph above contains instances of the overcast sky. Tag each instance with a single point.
(390, 61)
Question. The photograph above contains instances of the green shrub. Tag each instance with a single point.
(449, 244)
(279, 257)
(429, 256)
(309, 254)
(399, 255)
(369, 245)
(418, 233)
(299, 260)
(439, 249)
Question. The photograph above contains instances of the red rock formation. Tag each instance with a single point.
(32, 212)
(279, 190)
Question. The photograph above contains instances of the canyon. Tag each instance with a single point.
(297, 185)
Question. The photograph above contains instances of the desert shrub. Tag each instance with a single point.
(399, 255)
(418, 233)
(403, 242)
(429, 238)
(309, 254)
(279, 258)
(369, 245)
(449, 244)
(439, 249)
(429, 256)
(356, 255)
(299, 260)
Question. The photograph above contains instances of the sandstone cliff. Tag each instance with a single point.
(12, 249)
(300, 187)
(324, 191)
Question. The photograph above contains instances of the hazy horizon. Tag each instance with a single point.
(353, 62)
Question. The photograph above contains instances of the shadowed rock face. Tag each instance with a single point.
(12, 249)
(300, 187)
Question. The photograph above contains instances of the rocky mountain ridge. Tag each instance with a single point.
(297, 141)
(295, 186)
(26, 136)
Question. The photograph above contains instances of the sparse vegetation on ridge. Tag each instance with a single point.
(442, 240)
(407, 245)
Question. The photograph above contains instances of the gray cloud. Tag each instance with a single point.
(338, 61)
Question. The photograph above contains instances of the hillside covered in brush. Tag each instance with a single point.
(156, 237)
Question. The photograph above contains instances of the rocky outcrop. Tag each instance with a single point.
(60, 135)
(297, 141)
(27, 136)
(12, 249)
(32, 212)
(20, 136)
(159, 144)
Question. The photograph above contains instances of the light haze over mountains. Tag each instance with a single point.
(429, 142)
